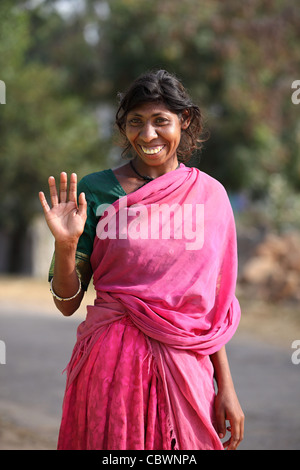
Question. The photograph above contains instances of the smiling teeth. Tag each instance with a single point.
(152, 151)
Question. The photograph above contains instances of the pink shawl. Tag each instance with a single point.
(174, 275)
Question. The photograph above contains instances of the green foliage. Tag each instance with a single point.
(43, 129)
(238, 60)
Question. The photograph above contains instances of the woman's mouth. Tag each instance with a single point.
(152, 150)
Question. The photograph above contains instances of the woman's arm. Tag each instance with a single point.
(66, 221)
(227, 406)
(65, 280)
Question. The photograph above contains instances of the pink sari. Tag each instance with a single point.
(140, 376)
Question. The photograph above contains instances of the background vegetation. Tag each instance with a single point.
(64, 62)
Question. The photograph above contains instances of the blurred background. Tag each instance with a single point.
(63, 63)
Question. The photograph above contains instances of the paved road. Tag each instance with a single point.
(38, 347)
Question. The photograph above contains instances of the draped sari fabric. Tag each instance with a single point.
(165, 258)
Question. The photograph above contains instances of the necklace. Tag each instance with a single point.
(145, 177)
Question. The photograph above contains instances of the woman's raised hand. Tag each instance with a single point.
(66, 218)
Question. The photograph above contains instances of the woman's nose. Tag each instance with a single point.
(148, 132)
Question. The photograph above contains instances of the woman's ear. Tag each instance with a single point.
(185, 119)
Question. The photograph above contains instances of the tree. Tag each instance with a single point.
(43, 129)
(238, 59)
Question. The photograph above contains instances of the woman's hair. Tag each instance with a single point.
(162, 87)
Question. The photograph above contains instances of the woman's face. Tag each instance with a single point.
(154, 133)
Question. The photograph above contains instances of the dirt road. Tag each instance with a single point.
(39, 342)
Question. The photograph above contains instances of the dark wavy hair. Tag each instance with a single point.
(162, 87)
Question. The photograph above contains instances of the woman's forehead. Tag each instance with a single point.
(150, 108)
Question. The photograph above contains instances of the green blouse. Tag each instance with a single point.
(101, 187)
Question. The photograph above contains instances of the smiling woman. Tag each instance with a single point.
(154, 134)
(141, 375)
(165, 89)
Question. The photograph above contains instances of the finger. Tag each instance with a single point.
(53, 191)
(242, 429)
(236, 437)
(233, 443)
(221, 425)
(63, 187)
(73, 188)
(44, 202)
(82, 205)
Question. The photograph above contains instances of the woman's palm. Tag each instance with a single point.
(65, 219)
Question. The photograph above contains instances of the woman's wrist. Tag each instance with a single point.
(65, 279)
(225, 384)
(222, 372)
(65, 299)
(66, 247)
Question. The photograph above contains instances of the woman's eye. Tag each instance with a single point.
(134, 121)
(138, 122)
(162, 121)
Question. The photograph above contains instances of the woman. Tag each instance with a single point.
(159, 239)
